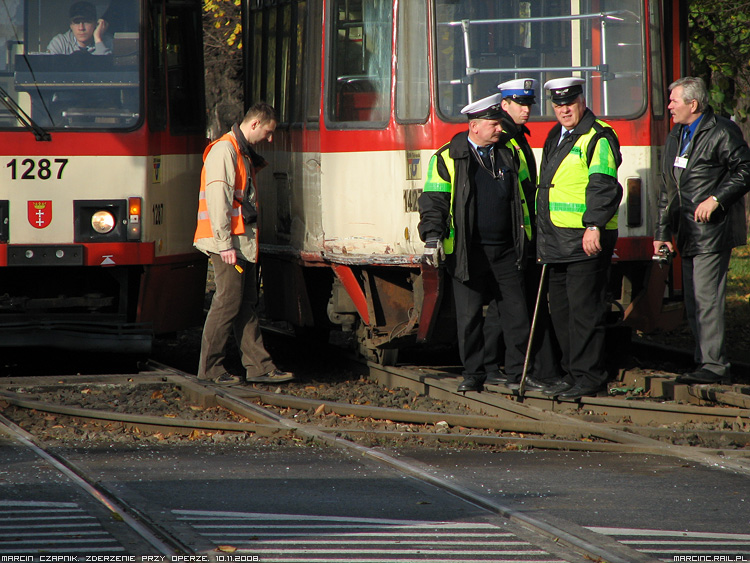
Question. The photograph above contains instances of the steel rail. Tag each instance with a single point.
(574, 537)
(157, 538)
(442, 387)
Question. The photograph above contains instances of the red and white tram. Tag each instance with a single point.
(101, 159)
(367, 90)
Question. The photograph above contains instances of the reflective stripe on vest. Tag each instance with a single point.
(523, 174)
(434, 183)
(567, 197)
(203, 228)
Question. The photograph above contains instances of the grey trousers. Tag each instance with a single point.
(705, 279)
(233, 312)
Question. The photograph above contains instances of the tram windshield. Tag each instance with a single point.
(483, 43)
(70, 64)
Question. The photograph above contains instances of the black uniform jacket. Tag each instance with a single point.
(434, 207)
(603, 195)
(718, 165)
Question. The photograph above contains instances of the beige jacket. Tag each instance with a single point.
(220, 172)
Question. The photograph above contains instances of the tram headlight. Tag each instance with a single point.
(103, 222)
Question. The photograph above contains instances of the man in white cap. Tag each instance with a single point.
(474, 210)
(577, 204)
(518, 97)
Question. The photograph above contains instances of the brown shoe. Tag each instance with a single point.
(274, 376)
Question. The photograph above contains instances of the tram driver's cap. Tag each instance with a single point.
(486, 108)
(520, 90)
(563, 91)
(82, 12)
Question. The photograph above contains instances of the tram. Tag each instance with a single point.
(101, 159)
(367, 90)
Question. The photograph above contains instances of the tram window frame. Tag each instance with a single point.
(157, 91)
(412, 63)
(359, 85)
(658, 101)
(112, 86)
(185, 90)
(552, 39)
(312, 75)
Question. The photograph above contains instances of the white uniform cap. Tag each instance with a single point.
(486, 108)
(520, 90)
(564, 90)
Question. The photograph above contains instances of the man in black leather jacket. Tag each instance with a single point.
(705, 174)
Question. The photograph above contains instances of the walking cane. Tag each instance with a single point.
(522, 386)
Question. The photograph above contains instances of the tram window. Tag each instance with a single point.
(657, 70)
(184, 68)
(412, 90)
(57, 74)
(313, 62)
(360, 68)
(600, 40)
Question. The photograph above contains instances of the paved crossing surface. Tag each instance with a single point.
(668, 544)
(31, 527)
(327, 539)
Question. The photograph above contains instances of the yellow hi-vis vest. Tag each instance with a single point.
(203, 228)
(435, 183)
(567, 196)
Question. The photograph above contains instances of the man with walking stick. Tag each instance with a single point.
(577, 204)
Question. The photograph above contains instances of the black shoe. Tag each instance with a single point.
(470, 384)
(531, 383)
(699, 376)
(580, 390)
(497, 377)
(557, 388)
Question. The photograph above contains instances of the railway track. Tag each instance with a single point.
(493, 419)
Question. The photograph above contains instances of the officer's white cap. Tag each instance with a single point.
(564, 90)
(520, 90)
(486, 108)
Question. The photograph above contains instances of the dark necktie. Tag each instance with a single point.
(685, 140)
(484, 153)
(564, 136)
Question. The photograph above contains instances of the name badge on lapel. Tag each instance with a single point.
(680, 162)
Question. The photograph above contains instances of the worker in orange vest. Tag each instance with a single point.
(227, 232)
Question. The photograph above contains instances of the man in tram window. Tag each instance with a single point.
(227, 231)
(87, 34)
(474, 215)
(705, 174)
(577, 202)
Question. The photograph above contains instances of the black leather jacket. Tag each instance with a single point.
(718, 165)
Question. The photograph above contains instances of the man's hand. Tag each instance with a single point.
(704, 210)
(659, 243)
(229, 256)
(101, 28)
(433, 252)
(591, 243)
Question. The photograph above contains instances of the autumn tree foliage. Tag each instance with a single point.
(222, 52)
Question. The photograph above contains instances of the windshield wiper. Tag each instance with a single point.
(22, 116)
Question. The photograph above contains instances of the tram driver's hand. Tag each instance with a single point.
(433, 252)
(101, 27)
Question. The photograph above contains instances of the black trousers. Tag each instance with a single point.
(493, 276)
(578, 306)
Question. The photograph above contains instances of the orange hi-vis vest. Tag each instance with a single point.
(203, 229)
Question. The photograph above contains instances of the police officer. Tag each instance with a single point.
(473, 208)
(577, 205)
(517, 98)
